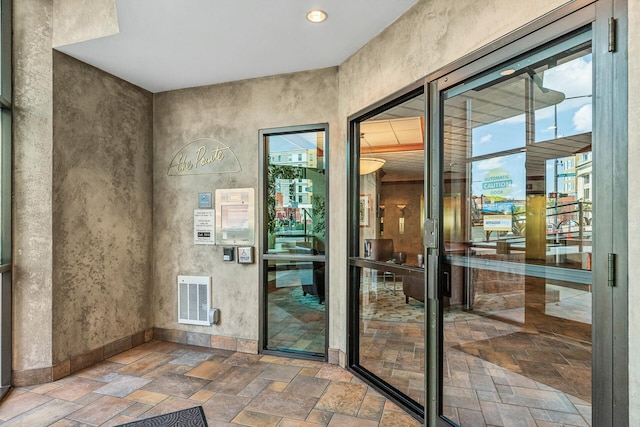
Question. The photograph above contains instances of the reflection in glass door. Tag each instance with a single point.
(294, 240)
(516, 204)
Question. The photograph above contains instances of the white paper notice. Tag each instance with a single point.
(204, 226)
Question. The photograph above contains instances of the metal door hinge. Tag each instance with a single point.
(612, 34)
(611, 270)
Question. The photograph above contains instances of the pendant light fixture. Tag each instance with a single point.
(370, 164)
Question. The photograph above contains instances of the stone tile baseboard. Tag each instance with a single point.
(337, 357)
(67, 367)
(205, 340)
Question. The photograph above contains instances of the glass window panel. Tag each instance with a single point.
(295, 306)
(516, 213)
(2, 44)
(296, 196)
(391, 339)
(5, 43)
(573, 115)
(5, 187)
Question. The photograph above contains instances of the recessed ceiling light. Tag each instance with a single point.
(507, 72)
(317, 16)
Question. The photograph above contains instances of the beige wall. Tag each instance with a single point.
(82, 202)
(32, 181)
(79, 20)
(232, 114)
(102, 201)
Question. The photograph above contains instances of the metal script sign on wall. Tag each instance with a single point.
(204, 156)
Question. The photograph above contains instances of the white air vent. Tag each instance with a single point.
(194, 300)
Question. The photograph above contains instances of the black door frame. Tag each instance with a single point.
(6, 200)
(263, 257)
(353, 263)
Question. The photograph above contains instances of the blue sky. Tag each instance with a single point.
(293, 141)
(574, 116)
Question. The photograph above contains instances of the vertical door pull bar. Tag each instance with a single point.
(447, 282)
(611, 270)
(431, 269)
(612, 35)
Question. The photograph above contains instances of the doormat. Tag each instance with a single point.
(192, 417)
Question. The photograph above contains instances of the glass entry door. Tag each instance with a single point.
(386, 289)
(294, 234)
(515, 276)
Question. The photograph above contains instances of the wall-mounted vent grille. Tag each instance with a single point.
(194, 300)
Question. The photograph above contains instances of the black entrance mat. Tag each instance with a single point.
(192, 417)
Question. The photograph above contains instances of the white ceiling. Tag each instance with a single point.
(172, 44)
(393, 136)
(393, 132)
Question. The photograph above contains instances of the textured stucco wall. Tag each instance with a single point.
(32, 178)
(79, 20)
(232, 114)
(102, 201)
(634, 209)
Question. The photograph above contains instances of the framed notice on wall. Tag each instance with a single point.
(235, 212)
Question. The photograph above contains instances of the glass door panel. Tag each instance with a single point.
(295, 240)
(516, 206)
(388, 281)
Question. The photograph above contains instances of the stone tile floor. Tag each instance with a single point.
(296, 321)
(233, 389)
(497, 369)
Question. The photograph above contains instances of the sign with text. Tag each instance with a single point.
(235, 211)
(497, 183)
(204, 156)
(497, 222)
(204, 226)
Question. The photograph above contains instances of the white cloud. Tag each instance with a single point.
(489, 164)
(572, 78)
(488, 137)
(582, 119)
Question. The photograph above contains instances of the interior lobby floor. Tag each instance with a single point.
(498, 370)
(296, 321)
(491, 377)
(233, 389)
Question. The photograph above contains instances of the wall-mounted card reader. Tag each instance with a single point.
(227, 253)
(245, 254)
